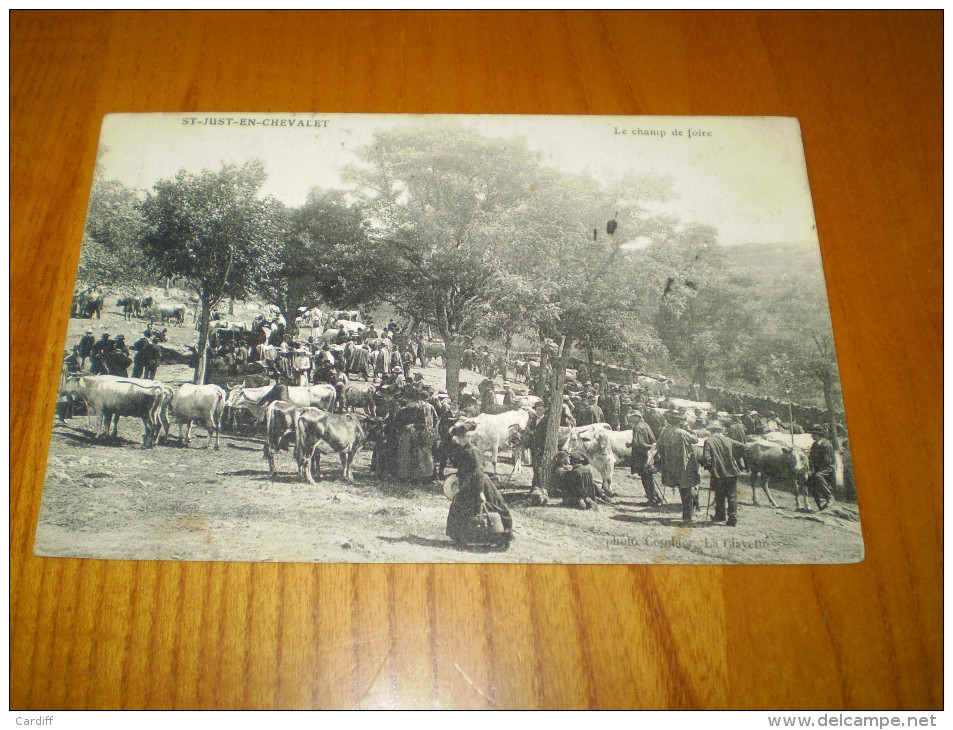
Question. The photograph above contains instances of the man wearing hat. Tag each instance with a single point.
(821, 462)
(679, 464)
(117, 360)
(642, 442)
(736, 432)
(151, 357)
(719, 457)
(654, 417)
(625, 407)
(302, 366)
(589, 413)
(610, 406)
(85, 347)
(446, 418)
(71, 363)
(752, 422)
(98, 353)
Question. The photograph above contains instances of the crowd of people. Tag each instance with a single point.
(384, 356)
(418, 432)
(108, 356)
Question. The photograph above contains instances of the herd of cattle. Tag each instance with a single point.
(89, 304)
(321, 418)
(109, 397)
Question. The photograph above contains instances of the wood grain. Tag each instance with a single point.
(867, 89)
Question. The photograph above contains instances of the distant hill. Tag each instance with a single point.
(769, 262)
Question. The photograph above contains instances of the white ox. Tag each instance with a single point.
(350, 328)
(241, 398)
(322, 395)
(653, 386)
(309, 318)
(204, 403)
(109, 397)
(602, 447)
(695, 405)
(499, 429)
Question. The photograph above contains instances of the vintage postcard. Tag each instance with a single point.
(396, 338)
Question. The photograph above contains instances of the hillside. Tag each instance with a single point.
(766, 262)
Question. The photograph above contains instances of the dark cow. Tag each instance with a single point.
(768, 461)
(342, 434)
(93, 307)
(279, 431)
(130, 308)
(167, 312)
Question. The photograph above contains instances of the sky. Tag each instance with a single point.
(746, 176)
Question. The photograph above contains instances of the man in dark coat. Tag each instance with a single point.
(138, 365)
(719, 457)
(98, 354)
(446, 418)
(736, 432)
(654, 418)
(589, 413)
(821, 462)
(149, 356)
(642, 442)
(85, 347)
(679, 465)
(117, 360)
(610, 406)
(537, 444)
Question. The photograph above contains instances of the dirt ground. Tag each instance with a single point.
(189, 503)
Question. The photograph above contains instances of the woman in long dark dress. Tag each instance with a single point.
(476, 492)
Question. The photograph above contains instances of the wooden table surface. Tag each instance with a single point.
(867, 88)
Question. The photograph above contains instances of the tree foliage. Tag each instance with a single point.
(439, 203)
(112, 255)
(324, 257)
(213, 231)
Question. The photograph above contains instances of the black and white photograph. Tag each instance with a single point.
(434, 339)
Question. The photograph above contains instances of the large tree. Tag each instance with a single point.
(572, 258)
(111, 255)
(439, 202)
(213, 231)
(324, 257)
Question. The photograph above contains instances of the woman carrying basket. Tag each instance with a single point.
(478, 513)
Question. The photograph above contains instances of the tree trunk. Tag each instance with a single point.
(454, 358)
(205, 319)
(554, 413)
(828, 384)
(541, 375)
